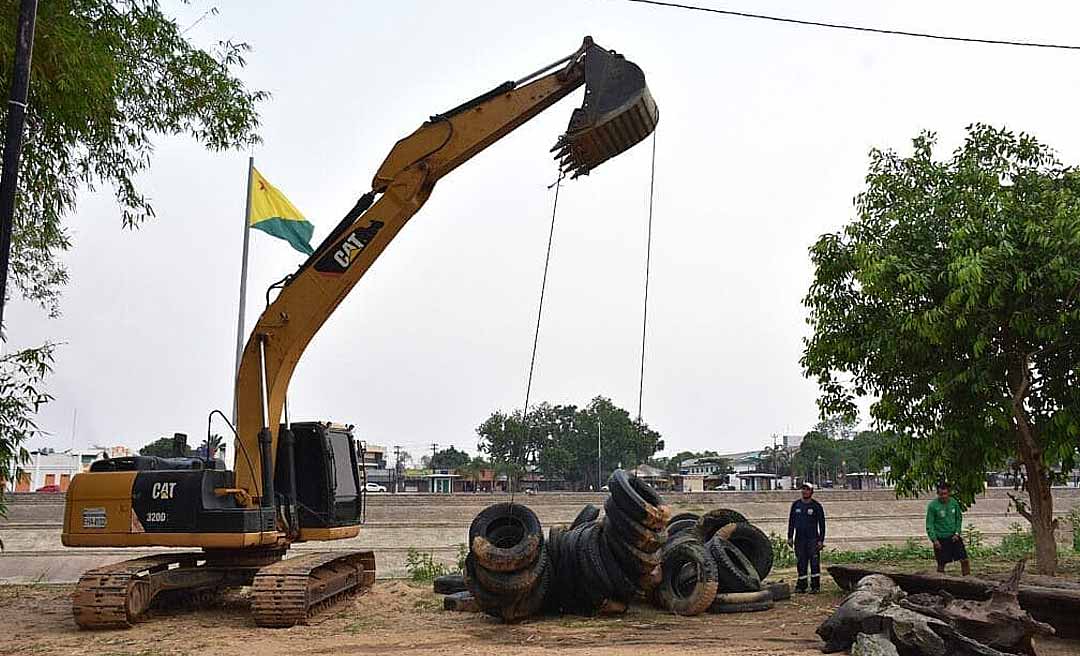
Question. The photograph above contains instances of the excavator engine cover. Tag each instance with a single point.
(618, 112)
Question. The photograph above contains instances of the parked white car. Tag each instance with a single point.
(374, 487)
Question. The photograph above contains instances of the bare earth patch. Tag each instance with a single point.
(397, 617)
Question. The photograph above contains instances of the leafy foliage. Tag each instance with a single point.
(449, 459)
(954, 300)
(824, 457)
(560, 440)
(107, 77)
(421, 566)
(163, 448)
(783, 553)
(21, 395)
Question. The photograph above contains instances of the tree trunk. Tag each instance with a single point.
(1041, 514)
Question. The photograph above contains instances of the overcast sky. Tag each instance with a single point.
(762, 145)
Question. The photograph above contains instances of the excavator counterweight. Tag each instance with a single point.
(618, 112)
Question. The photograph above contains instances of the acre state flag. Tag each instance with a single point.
(272, 213)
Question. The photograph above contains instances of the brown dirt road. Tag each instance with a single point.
(403, 618)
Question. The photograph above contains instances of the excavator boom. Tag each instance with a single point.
(617, 113)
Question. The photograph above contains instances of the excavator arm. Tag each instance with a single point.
(618, 112)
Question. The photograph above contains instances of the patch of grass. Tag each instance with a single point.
(422, 566)
(362, 625)
(1018, 543)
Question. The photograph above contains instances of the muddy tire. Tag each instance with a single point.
(634, 561)
(688, 595)
(588, 514)
(630, 530)
(780, 590)
(449, 584)
(506, 537)
(714, 520)
(513, 583)
(742, 602)
(754, 544)
(638, 500)
(734, 570)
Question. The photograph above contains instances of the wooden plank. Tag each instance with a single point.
(1057, 606)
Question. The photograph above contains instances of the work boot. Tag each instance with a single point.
(965, 568)
(800, 588)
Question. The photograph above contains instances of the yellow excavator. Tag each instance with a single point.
(299, 482)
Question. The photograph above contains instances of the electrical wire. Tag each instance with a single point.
(857, 28)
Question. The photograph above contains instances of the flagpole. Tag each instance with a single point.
(243, 284)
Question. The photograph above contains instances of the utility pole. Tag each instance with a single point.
(599, 424)
(433, 447)
(397, 464)
(20, 85)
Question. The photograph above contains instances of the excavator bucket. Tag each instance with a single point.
(618, 112)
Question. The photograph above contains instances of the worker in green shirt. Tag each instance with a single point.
(944, 521)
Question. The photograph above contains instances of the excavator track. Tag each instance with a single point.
(292, 591)
(115, 596)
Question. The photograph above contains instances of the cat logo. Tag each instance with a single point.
(338, 259)
(163, 490)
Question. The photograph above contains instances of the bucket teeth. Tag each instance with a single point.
(618, 112)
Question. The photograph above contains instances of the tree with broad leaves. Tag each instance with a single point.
(953, 298)
(449, 459)
(21, 394)
(106, 79)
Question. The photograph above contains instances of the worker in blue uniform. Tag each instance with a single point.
(806, 534)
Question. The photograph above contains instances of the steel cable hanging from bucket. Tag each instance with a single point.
(536, 333)
(648, 259)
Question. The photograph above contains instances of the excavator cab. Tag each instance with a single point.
(618, 112)
(327, 493)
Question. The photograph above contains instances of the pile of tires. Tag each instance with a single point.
(508, 569)
(741, 556)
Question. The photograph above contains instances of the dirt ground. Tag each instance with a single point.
(397, 617)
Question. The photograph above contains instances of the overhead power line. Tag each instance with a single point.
(857, 28)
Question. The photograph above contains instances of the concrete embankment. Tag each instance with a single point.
(437, 524)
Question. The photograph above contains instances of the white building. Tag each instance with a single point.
(48, 467)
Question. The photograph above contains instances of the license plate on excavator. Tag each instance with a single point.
(618, 112)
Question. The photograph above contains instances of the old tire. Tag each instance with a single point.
(685, 515)
(631, 530)
(624, 588)
(734, 570)
(676, 527)
(693, 595)
(588, 514)
(591, 563)
(634, 561)
(752, 607)
(449, 584)
(513, 583)
(779, 590)
(638, 500)
(506, 537)
(754, 544)
(714, 520)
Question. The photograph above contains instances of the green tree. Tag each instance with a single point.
(675, 461)
(561, 440)
(954, 300)
(164, 447)
(818, 455)
(106, 79)
(449, 459)
(21, 394)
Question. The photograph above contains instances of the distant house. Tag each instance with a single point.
(658, 478)
(50, 467)
(688, 482)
